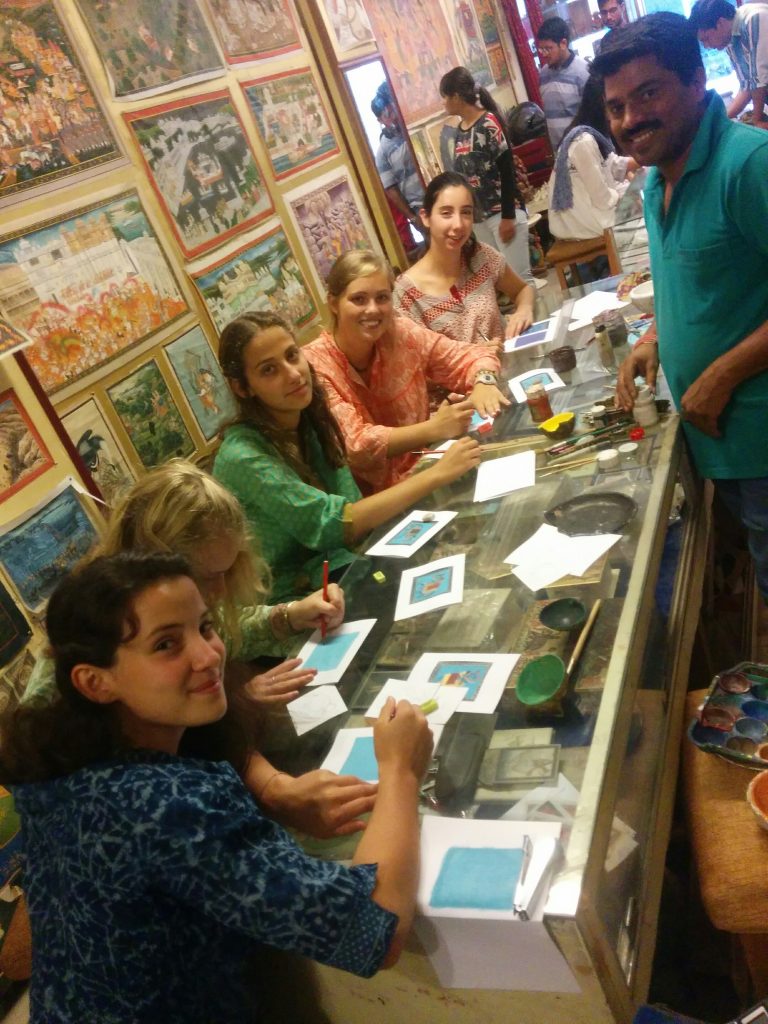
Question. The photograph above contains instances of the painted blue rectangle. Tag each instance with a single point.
(410, 533)
(433, 583)
(471, 674)
(330, 654)
(361, 760)
(477, 878)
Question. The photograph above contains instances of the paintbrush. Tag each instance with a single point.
(456, 296)
(578, 441)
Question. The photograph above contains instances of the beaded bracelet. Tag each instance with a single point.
(281, 622)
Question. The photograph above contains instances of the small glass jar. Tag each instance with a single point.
(605, 349)
(538, 403)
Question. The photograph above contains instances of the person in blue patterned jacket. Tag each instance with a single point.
(152, 877)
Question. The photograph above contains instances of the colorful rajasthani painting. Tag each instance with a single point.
(486, 16)
(470, 45)
(96, 445)
(149, 46)
(23, 455)
(418, 48)
(51, 125)
(292, 120)
(331, 220)
(146, 409)
(261, 275)
(348, 25)
(202, 168)
(86, 287)
(202, 381)
(41, 546)
(254, 29)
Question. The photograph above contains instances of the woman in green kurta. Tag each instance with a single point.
(284, 459)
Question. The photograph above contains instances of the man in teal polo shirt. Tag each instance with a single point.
(706, 210)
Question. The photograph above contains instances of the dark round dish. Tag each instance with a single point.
(564, 614)
(591, 514)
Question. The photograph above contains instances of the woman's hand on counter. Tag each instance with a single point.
(281, 684)
(519, 321)
(309, 612)
(487, 399)
(452, 419)
(457, 460)
(320, 803)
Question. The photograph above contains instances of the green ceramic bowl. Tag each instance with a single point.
(565, 613)
(541, 680)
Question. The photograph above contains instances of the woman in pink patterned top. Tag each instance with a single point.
(452, 288)
(375, 368)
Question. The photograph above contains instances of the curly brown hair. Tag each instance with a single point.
(317, 417)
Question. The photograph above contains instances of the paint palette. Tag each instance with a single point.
(733, 720)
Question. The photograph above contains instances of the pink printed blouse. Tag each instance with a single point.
(405, 361)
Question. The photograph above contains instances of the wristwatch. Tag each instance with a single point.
(486, 377)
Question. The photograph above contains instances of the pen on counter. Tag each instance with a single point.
(323, 623)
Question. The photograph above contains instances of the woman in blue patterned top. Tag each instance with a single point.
(152, 877)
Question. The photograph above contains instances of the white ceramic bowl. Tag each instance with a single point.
(757, 798)
(642, 297)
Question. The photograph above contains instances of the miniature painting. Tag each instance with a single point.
(11, 339)
(202, 168)
(292, 120)
(483, 676)
(349, 25)
(477, 878)
(331, 220)
(51, 125)
(23, 455)
(498, 61)
(352, 753)
(202, 381)
(260, 275)
(97, 447)
(333, 656)
(486, 16)
(431, 586)
(14, 628)
(37, 549)
(536, 334)
(410, 534)
(86, 287)
(545, 376)
(469, 40)
(429, 165)
(254, 29)
(418, 49)
(147, 411)
(151, 47)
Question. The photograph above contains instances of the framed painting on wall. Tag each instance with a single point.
(51, 124)
(201, 380)
(348, 27)
(292, 120)
(23, 455)
(145, 406)
(418, 49)
(86, 287)
(330, 216)
(261, 274)
(96, 445)
(43, 544)
(487, 17)
(429, 164)
(202, 168)
(149, 47)
(253, 30)
(470, 44)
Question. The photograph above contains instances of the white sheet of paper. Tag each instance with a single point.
(594, 303)
(541, 575)
(315, 707)
(333, 657)
(537, 545)
(502, 476)
(396, 543)
(431, 586)
(544, 375)
(483, 676)
(336, 757)
(440, 450)
(548, 555)
(402, 689)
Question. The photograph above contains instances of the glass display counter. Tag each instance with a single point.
(622, 716)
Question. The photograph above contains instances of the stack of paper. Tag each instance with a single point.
(549, 555)
(502, 476)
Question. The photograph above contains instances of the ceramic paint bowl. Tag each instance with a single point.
(759, 690)
(641, 296)
(733, 682)
(732, 701)
(757, 798)
(706, 734)
(566, 613)
(762, 751)
(751, 728)
(744, 745)
(542, 683)
(756, 709)
(719, 718)
(563, 359)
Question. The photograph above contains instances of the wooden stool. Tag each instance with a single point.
(730, 851)
(565, 253)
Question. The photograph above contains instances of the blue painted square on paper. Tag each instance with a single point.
(477, 878)
(329, 655)
(431, 584)
(471, 674)
(530, 338)
(410, 533)
(361, 760)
